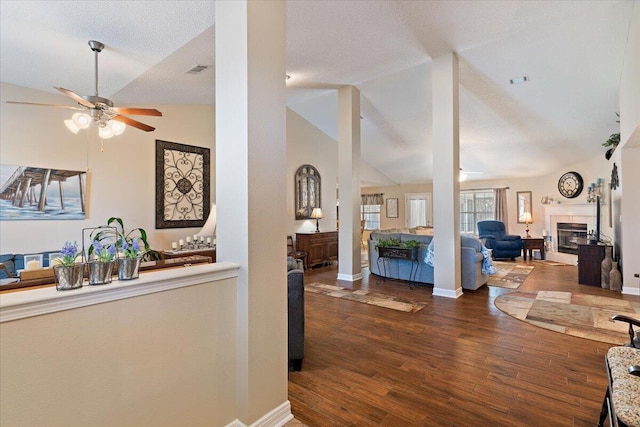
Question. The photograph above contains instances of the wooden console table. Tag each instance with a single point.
(321, 247)
(531, 243)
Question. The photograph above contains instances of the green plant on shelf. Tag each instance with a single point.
(396, 243)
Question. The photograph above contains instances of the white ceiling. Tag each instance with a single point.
(572, 52)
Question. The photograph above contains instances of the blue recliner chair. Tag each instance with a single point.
(502, 245)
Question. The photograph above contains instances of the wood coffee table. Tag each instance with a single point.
(531, 243)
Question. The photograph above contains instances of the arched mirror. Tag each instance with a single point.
(307, 187)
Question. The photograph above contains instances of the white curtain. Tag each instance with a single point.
(417, 212)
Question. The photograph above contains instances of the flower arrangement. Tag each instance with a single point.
(69, 254)
(130, 244)
(131, 248)
(103, 253)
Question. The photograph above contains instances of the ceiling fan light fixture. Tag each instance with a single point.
(105, 132)
(117, 127)
(81, 120)
(71, 126)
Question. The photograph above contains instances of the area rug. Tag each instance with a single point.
(579, 315)
(509, 275)
(380, 300)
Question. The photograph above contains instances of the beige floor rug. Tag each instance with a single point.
(509, 275)
(579, 315)
(380, 300)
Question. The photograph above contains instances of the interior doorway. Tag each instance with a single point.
(418, 210)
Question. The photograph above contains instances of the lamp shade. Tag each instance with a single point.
(209, 228)
(316, 213)
(526, 217)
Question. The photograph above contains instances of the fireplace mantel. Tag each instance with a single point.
(576, 213)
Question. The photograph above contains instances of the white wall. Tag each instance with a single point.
(141, 361)
(307, 144)
(121, 178)
(630, 157)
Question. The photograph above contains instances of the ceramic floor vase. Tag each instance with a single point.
(100, 272)
(615, 278)
(68, 276)
(128, 268)
(605, 267)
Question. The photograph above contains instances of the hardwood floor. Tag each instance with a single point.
(456, 362)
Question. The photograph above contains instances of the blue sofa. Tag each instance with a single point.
(14, 262)
(494, 236)
(471, 258)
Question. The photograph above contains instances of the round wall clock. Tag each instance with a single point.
(570, 185)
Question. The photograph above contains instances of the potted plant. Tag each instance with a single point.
(132, 253)
(101, 266)
(612, 142)
(131, 246)
(69, 273)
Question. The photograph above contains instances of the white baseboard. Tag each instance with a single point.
(440, 292)
(349, 277)
(275, 418)
(627, 290)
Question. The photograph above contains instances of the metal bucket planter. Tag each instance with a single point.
(128, 268)
(100, 272)
(68, 277)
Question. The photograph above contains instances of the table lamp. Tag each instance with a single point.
(526, 217)
(316, 214)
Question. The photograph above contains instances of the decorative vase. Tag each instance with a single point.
(100, 272)
(605, 267)
(128, 268)
(615, 278)
(68, 276)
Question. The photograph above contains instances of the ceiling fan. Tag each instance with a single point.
(463, 175)
(98, 109)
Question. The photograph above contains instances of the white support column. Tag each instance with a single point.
(446, 169)
(349, 259)
(250, 194)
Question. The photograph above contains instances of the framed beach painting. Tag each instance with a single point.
(41, 193)
(182, 185)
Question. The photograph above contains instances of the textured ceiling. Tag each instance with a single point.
(571, 51)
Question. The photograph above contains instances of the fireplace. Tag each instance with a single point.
(559, 213)
(568, 235)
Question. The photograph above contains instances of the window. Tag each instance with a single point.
(371, 216)
(475, 205)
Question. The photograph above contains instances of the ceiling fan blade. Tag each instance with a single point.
(134, 123)
(137, 111)
(46, 105)
(71, 94)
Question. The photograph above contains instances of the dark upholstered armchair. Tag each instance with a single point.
(295, 305)
(495, 238)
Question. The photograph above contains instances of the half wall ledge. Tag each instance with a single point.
(35, 302)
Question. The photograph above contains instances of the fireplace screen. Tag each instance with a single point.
(568, 236)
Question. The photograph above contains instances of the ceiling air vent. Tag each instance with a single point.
(197, 69)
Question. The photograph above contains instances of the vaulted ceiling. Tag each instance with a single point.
(571, 52)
